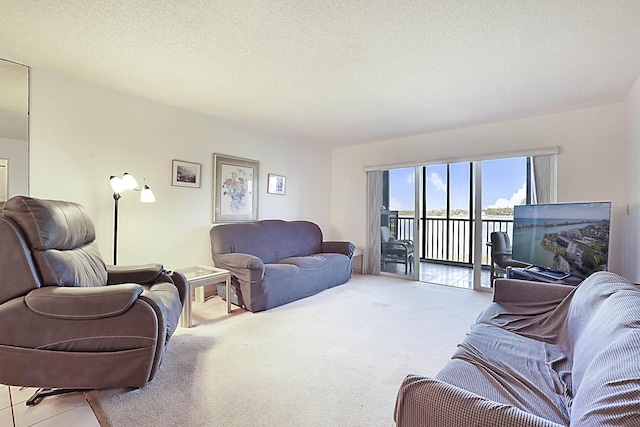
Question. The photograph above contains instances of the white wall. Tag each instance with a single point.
(631, 253)
(82, 134)
(592, 165)
(17, 152)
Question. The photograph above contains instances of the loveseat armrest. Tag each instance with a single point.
(424, 401)
(244, 268)
(235, 261)
(82, 303)
(144, 274)
(339, 247)
(518, 291)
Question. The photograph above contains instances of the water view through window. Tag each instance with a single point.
(446, 205)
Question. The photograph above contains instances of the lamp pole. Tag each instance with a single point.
(116, 197)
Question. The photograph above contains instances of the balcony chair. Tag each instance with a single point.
(395, 251)
(501, 255)
(68, 322)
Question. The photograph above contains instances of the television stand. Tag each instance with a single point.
(541, 274)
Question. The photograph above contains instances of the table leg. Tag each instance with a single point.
(200, 294)
(228, 281)
(185, 318)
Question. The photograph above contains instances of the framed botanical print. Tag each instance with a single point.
(235, 190)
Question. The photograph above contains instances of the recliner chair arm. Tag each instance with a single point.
(144, 274)
(82, 303)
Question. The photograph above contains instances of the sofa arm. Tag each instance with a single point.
(82, 303)
(518, 291)
(424, 401)
(144, 274)
(345, 248)
(243, 267)
(237, 261)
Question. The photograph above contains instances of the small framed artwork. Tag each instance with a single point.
(276, 184)
(185, 174)
(235, 189)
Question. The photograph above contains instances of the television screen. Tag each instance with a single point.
(569, 237)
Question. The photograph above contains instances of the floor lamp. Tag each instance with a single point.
(118, 185)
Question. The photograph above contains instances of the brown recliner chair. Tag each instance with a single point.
(68, 321)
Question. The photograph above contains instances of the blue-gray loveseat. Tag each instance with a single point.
(274, 262)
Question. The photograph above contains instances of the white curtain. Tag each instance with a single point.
(374, 204)
(544, 179)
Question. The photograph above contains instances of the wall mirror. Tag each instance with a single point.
(4, 185)
(14, 129)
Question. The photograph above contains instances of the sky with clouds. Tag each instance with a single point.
(503, 185)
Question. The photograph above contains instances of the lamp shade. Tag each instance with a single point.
(129, 181)
(147, 196)
(116, 184)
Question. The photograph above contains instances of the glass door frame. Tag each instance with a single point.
(477, 160)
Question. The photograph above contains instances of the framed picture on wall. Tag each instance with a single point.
(276, 184)
(185, 174)
(235, 189)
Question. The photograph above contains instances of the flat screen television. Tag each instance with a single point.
(564, 237)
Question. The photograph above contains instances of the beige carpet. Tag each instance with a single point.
(334, 359)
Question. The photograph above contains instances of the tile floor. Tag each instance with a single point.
(443, 274)
(67, 410)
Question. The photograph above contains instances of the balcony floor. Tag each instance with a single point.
(443, 274)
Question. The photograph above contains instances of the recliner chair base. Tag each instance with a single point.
(41, 393)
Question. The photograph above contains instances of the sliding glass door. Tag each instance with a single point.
(505, 184)
(397, 222)
(436, 220)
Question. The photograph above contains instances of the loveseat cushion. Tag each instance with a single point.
(294, 278)
(269, 240)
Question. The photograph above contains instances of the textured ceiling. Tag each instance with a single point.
(339, 72)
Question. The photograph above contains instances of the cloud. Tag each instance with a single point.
(437, 181)
(516, 199)
(411, 178)
(398, 205)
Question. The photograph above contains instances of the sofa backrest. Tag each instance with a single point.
(61, 238)
(603, 325)
(269, 240)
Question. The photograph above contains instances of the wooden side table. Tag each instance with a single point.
(197, 277)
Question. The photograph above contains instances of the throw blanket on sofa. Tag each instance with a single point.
(540, 355)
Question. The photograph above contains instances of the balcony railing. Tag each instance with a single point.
(450, 240)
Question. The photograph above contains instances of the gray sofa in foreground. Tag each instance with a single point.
(274, 262)
(539, 355)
